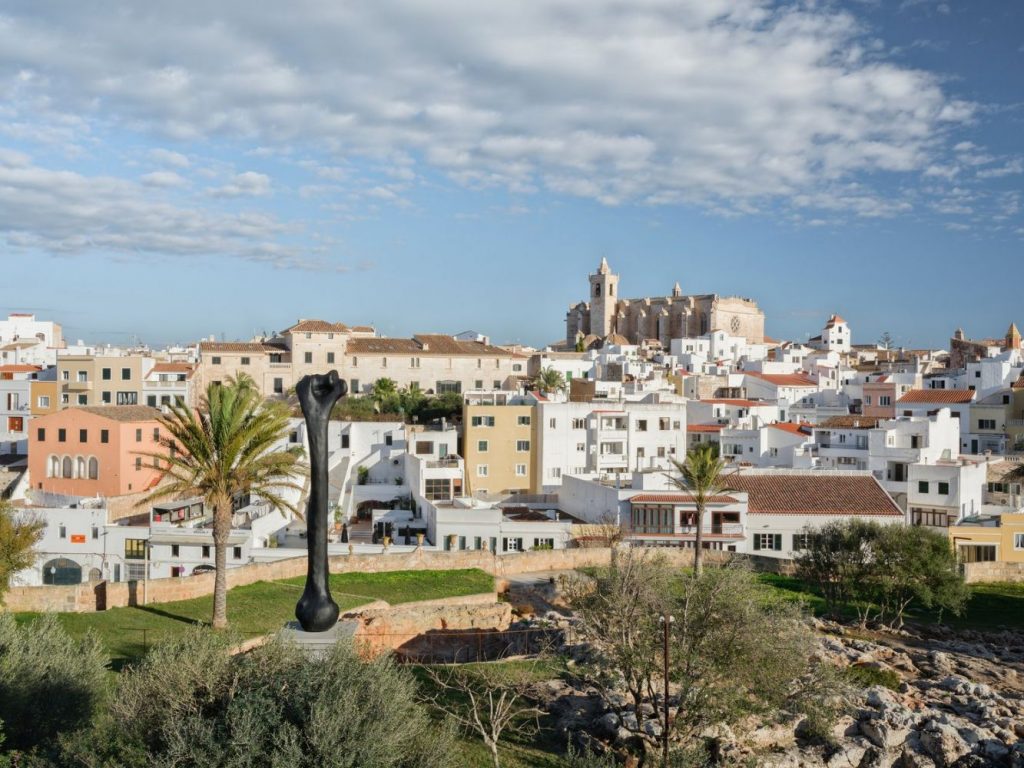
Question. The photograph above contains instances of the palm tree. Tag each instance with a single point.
(223, 450)
(384, 390)
(702, 476)
(549, 380)
(18, 538)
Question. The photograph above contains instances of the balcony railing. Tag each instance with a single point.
(444, 463)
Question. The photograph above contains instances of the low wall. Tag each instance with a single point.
(975, 573)
(102, 595)
(413, 629)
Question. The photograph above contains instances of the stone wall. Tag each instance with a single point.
(975, 573)
(91, 597)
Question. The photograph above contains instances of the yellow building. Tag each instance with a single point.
(997, 539)
(499, 444)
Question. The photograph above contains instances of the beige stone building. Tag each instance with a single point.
(435, 362)
(91, 380)
(661, 318)
(499, 446)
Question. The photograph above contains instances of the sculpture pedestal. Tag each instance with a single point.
(317, 644)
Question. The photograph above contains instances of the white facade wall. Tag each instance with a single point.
(966, 481)
(787, 526)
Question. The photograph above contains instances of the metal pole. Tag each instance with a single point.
(666, 621)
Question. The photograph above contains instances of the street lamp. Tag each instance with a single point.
(666, 620)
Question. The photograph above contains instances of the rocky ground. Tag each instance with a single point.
(957, 701)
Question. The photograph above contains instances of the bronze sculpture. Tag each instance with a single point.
(316, 610)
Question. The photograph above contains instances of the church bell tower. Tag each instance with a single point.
(604, 298)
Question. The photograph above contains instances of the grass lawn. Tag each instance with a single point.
(990, 607)
(261, 608)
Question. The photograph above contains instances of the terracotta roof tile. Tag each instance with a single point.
(427, 344)
(255, 347)
(793, 429)
(316, 326)
(733, 401)
(19, 368)
(785, 379)
(705, 427)
(937, 396)
(121, 412)
(814, 494)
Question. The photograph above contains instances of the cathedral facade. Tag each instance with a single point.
(662, 318)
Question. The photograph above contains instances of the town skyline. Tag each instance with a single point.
(381, 165)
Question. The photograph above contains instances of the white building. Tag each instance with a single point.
(771, 445)
(943, 493)
(27, 341)
(835, 338)
(896, 444)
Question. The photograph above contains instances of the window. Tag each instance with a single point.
(43, 401)
(151, 401)
(105, 397)
(62, 435)
(104, 436)
(105, 374)
(438, 488)
(423, 447)
(520, 470)
(482, 421)
(62, 532)
(67, 469)
(414, 362)
(278, 386)
(330, 357)
(236, 553)
(478, 384)
(770, 541)
(800, 541)
(547, 543)
(512, 545)
(481, 446)
(581, 446)
(215, 360)
(446, 387)
(497, 384)
(41, 434)
(884, 400)
(664, 423)
(95, 533)
(986, 423)
(354, 385)
(175, 550)
(64, 398)
(307, 357)
(579, 423)
(245, 360)
(156, 434)
(138, 435)
(138, 462)
(481, 470)
(83, 399)
(94, 469)
(524, 421)
(944, 489)
(134, 549)
(922, 486)
(1018, 541)
(641, 425)
(206, 551)
(522, 446)
(126, 374)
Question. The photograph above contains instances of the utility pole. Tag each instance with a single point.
(666, 621)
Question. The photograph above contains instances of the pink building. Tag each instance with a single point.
(95, 451)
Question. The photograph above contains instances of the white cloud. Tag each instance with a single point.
(169, 157)
(163, 179)
(722, 103)
(65, 213)
(248, 184)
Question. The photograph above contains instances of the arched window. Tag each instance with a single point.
(53, 467)
(94, 468)
(611, 289)
(62, 571)
(597, 289)
(80, 467)
(68, 467)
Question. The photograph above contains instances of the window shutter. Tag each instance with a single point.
(778, 542)
(757, 541)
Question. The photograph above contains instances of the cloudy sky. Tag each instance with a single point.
(172, 170)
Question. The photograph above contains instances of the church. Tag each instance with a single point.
(634, 321)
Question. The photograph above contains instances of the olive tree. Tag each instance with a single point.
(732, 650)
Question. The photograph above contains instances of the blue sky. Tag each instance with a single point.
(225, 168)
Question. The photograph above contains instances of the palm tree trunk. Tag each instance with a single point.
(221, 531)
(698, 554)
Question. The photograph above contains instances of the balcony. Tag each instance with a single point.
(447, 463)
(78, 386)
